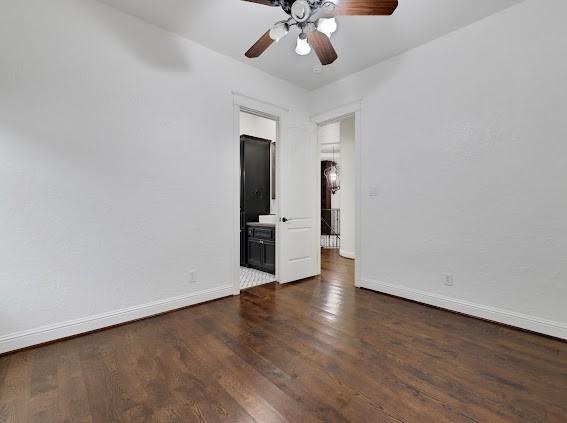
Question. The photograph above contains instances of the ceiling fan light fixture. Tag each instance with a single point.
(327, 26)
(278, 31)
(303, 48)
(314, 18)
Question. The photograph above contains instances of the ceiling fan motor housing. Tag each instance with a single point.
(301, 10)
(287, 5)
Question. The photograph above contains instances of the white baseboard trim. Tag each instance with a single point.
(31, 337)
(523, 321)
(346, 254)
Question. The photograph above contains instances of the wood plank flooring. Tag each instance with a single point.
(315, 351)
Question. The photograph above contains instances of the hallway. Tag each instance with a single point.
(314, 351)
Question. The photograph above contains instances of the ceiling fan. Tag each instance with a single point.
(316, 21)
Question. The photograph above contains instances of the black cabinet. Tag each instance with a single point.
(262, 247)
(254, 185)
(269, 257)
(255, 253)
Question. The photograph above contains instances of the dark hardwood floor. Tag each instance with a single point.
(314, 351)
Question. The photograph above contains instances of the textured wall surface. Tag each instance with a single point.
(465, 139)
(116, 162)
(348, 188)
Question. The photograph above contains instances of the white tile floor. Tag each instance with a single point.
(252, 277)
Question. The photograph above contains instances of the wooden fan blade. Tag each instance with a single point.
(260, 46)
(323, 47)
(365, 7)
(265, 2)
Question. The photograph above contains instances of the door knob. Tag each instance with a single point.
(284, 219)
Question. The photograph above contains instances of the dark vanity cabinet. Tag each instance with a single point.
(262, 246)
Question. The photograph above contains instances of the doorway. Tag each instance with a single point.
(295, 207)
(258, 199)
(337, 141)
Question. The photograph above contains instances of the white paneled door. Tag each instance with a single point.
(299, 219)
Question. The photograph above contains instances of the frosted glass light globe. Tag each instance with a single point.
(303, 48)
(278, 31)
(327, 26)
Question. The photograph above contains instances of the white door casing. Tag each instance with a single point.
(353, 108)
(298, 174)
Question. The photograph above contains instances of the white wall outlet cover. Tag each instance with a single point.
(449, 279)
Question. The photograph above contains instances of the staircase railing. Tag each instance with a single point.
(330, 228)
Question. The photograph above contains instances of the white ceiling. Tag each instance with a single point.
(231, 26)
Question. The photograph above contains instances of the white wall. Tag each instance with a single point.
(465, 139)
(348, 188)
(329, 135)
(116, 168)
(258, 126)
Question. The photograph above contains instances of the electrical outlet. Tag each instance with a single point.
(193, 276)
(449, 279)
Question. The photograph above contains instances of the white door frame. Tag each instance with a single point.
(353, 108)
(245, 103)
